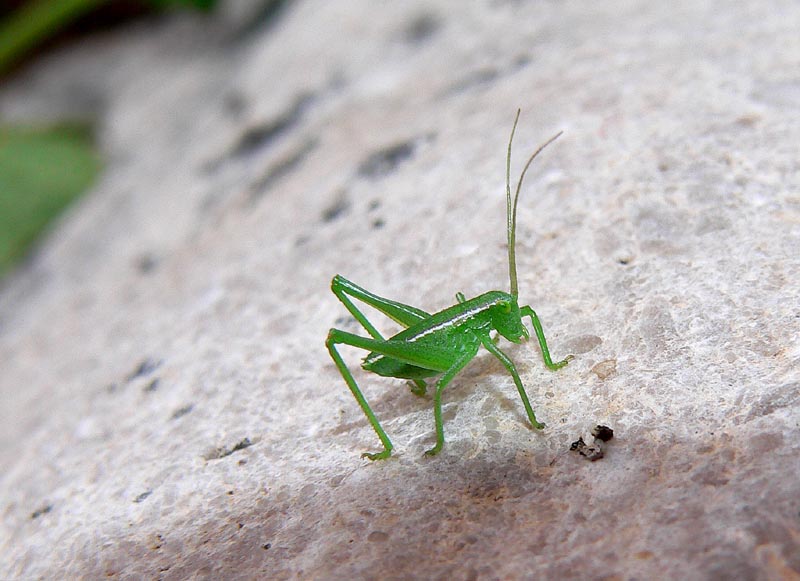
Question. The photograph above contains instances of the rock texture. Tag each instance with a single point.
(169, 410)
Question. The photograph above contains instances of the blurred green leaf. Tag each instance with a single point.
(41, 171)
(37, 20)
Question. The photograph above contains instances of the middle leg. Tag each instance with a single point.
(437, 397)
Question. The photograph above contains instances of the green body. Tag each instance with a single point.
(434, 345)
(441, 343)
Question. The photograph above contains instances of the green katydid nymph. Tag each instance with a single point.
(441, 343)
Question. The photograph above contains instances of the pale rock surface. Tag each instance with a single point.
(169, 410)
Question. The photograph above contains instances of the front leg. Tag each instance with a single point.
(526, 311)
(494, 350)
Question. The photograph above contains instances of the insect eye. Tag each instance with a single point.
(505, 305)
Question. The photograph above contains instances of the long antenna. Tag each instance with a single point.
(511, 208)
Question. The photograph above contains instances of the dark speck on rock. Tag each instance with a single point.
(337, 209)
(146, 263)
(590, 452)
(40, 511)
(385, 161)
(602, 433)
(182, 411)
(146, 367)
(280, 169)
(421, 28)
(259, 136)
(222, 452)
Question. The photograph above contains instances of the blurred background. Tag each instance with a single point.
(46, 165)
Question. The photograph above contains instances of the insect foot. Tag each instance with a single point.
(377, 455)
(433, 451)
(562, 363)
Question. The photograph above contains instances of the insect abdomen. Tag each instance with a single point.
(388, 367)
